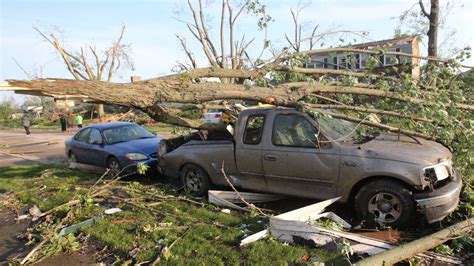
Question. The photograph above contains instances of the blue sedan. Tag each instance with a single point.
(116, 146)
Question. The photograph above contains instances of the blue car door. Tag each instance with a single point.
(79, 146)
(95, 148)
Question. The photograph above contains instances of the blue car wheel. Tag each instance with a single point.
(114, 167)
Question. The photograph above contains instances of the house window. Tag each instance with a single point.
(398, 50)
(326, 60)
(342, 63)
(382, 60)
(349, 62)
(357, 61)
(334, 63)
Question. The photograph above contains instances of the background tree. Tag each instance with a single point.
(428, 18)
(433, 18)
(89, 63)
(228, 52)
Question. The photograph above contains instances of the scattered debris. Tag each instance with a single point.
(21, 217)
(391, 236)
(112, 210)
(125, 220)
(299, 226)
(53, 142)
(225, 211)
(73, 228)
(35, 212)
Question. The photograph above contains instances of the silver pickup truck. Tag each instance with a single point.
(389, 178)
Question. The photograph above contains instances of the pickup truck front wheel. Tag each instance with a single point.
(195, 180)
(385, 202)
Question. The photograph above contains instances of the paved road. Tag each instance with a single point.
(41, 146)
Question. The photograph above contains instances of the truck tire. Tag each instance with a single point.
(386, 203)
(195, 180)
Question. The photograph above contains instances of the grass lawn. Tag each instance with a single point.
(156, 222)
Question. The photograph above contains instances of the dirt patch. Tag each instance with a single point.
(83, 257)
(10, 245)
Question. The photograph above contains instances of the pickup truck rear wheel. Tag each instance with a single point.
(385, 202)
(195, 180)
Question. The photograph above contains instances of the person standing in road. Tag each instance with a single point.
(26, 124)
(79, 119)
(63, 122)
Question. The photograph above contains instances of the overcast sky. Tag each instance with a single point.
(152, 25)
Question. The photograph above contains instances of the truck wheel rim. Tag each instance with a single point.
(193, 181)
(385, 207)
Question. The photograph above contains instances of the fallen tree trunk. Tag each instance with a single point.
(409, 250)
(154, 95)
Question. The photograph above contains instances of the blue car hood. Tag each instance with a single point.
(144, 146)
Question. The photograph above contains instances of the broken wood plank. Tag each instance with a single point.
(308, 212)
(255, 237)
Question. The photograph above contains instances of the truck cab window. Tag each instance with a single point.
(254, 129)
(293, 130)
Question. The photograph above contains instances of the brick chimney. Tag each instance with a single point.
(135, 79)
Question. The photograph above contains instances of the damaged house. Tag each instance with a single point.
(357, 62)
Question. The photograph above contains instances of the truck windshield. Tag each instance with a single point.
(338, 129)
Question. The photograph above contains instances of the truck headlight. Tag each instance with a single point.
(136, 156)
(161, 148)
(437, 172)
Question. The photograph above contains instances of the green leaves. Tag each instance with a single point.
(142, 168)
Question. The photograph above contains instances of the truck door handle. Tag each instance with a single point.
(270, 157)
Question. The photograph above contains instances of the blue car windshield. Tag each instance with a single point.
(126, 133)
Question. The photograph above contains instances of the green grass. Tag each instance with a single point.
(45, 186)
(201, 234)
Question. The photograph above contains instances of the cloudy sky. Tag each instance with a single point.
(152, 25)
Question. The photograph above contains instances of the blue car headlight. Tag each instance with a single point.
(136, 156)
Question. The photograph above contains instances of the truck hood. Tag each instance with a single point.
(420, 151)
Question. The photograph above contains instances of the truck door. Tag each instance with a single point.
(295, 163)
(248, 153)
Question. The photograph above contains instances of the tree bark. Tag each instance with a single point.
(433, 18)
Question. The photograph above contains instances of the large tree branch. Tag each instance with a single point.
(115, 55)
(202, 36)
(57, 45)
(188, 53)
(86, 66)
(97, 62)
(423, 10)
(223, 56)
(204, 30)
(368, 110)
